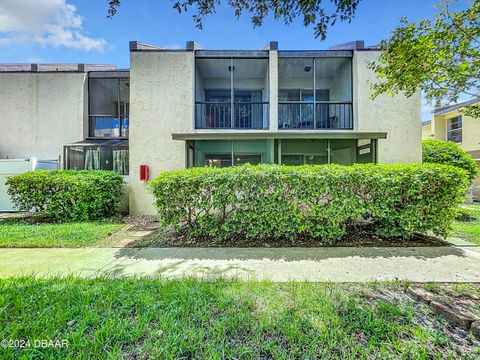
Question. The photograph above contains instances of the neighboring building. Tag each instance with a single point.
(449, 124)
(427, 129)
(194, 107)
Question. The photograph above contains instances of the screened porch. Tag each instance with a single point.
(98, 154)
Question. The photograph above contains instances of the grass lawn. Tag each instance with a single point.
(183, 319)
(470, 228)
(33, 232)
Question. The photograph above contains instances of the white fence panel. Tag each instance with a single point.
(9, 167)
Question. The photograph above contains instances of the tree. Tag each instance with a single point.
(441, 57)
(312, 11)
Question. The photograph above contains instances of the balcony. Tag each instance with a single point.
(231, 93)
(315, 93)
(218, 115)
(322, 116)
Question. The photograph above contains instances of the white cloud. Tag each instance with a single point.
(47, 22)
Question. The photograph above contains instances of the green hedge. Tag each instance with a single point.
(448, 153)
(272, 201)
(68, 194)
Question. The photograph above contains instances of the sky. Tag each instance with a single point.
(78, 31)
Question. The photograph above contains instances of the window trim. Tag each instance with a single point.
(447, 130)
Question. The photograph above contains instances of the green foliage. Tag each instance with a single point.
(438, 57)
(272, 201)
(449, 153)
(311, 11)
(155, 318)
(68, 194)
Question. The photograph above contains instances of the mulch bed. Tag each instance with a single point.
(358, 235)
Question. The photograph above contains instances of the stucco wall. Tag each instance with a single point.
(427, 131)
(273, 90)
(161, 98)
(398, 116)
(41, 112)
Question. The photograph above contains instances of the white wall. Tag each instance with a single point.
(41, 112)
(398, 116)
(162, 99)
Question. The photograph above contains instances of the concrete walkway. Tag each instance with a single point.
(347, 264)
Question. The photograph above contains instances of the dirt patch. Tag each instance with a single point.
(460, 339)
(463, 297)
(140, 222)
(356, 236)
(136, 229)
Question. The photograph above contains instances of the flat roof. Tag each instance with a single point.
(228, 134)
(345, 49)
(33, 67)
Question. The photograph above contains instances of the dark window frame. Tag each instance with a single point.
(458, 138)
(123, 112)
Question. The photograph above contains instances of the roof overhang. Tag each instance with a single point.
(299, 134)
(95, 142)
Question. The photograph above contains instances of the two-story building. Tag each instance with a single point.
(177, 108)
(449, 124)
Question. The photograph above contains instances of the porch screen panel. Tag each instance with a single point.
(103, 96)
(251, 96)
(213, 79)
(366, 151)
(109, 106)
(124, 96)
(103, 107)
(295, 93)
(343, 152)
(306, 151)
(253, 152)
(213, 153)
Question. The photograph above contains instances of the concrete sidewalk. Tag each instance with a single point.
(342, 264)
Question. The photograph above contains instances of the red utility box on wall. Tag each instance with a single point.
(143, 172)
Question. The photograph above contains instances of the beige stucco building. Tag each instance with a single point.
(193, 107)
(448, 124)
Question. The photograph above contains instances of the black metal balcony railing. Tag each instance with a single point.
(324, 115)
(218, 115)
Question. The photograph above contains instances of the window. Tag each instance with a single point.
(292, 152)
(218, 160)
(454, 129)
(109, 107)
(335, 151)
(300, 152)
(222, 153)
(315, 93)
(231, 93)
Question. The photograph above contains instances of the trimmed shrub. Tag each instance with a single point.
(448, 153)
(67, 194)
(273, 201)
